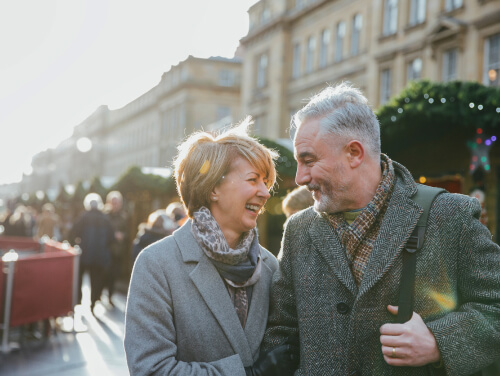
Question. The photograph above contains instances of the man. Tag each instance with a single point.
(121, 247)
(340, 268)
(93, 232)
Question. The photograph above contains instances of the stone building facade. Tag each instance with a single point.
(296, 47)
(145, 132)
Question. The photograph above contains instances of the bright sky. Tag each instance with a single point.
(61, 59)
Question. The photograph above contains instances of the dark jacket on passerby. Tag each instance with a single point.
(145, 237)
(120, 223)
(96, 236)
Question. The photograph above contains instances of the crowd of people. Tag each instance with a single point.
(102, 232)
(205, 298)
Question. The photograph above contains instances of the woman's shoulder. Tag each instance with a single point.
(160, 250)
(268, 258)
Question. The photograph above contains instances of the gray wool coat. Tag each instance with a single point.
(179, 317)
(457, 289)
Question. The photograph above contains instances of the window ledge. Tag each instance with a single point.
(386, 37)
(415, 26)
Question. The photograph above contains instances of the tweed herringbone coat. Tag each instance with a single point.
(457, 289)
(180, 319)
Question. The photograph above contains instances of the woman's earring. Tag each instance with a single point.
(214, 198)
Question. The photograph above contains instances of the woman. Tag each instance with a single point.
(158, 226)
(198, 300)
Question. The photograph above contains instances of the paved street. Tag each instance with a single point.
(95, 348)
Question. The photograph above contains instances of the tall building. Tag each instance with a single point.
(191, 96)
(296, 47)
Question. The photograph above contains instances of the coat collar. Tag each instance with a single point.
(399, 221)
(213, 291)
(328, 245)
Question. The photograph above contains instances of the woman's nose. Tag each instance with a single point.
(263, 191)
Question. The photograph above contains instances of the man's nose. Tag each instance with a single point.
(302, 177)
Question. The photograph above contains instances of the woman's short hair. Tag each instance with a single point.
(204, 158)
(298, 199)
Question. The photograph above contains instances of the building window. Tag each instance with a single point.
(311, 47)
(339, 41)
(450, 5)
(296, 61)
(385, 86)
(226, 77)
(265, 16)
(323, 50)
(492, 61)
(414, 70)
(357, 24)
(262, 71)
(450, 58)
(417, 12)
(390, 17)
(258, 122)
(184, 74)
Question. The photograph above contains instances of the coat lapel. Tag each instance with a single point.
(328, 245)
(212, 289)
(397, 225)
(259, 308)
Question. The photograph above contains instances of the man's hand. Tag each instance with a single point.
(408, 344)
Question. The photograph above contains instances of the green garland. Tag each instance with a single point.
(426, 109)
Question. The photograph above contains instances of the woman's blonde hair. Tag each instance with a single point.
(203, 159)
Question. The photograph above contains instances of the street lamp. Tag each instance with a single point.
(84, 144)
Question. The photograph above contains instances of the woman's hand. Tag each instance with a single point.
(280, 361)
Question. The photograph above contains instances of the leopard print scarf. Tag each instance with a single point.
(209, 235)
(240, 268)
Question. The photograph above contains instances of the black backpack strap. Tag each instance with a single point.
(424, 197)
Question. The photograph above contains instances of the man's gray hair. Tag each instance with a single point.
(345, 112)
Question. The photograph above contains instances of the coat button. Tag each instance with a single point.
(342, 308)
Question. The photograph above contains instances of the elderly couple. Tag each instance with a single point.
(209, 300)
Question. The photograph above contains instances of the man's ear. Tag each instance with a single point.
(356, 153)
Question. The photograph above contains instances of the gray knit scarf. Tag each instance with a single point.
(240, 268)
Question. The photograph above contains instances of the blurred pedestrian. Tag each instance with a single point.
(94, 234)
(121, 247)
(48, 223)
(298, 199)
(158, 225)
(175, 210)
(198, 299)
(19, 223)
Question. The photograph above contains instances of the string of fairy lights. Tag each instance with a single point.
(479, 146)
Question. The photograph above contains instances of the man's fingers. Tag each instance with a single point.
(396, 361)
(390, 341)
(393, 309)
(391, 329)
(394, 355)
